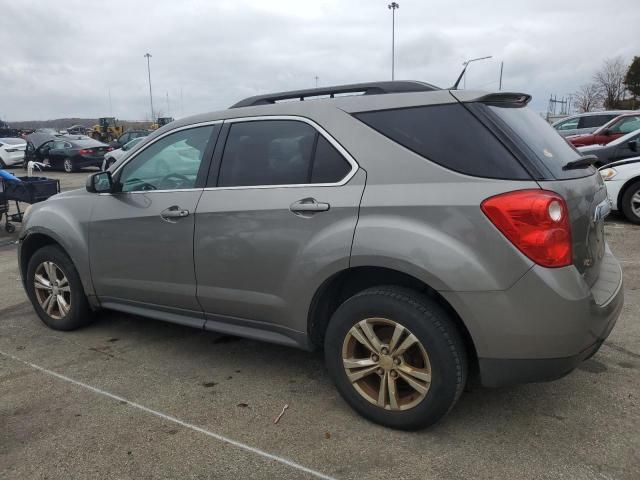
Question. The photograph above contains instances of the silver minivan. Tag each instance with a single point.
(422, 237)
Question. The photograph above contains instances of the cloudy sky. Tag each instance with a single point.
(61, 58)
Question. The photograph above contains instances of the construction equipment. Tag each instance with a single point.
(162, 121)
(106, 130)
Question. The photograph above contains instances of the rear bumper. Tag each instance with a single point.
(542, 327)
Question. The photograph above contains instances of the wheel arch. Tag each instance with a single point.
(346, 283)
(624, 189)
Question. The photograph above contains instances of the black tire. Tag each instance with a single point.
(79, 314)
(9, 227)
(68, 166)
(627, 209)
(2, 164)
(433, 328)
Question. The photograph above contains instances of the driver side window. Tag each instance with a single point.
(171, 163)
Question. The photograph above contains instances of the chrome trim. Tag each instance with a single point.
(347, 156)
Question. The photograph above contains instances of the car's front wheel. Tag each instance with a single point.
(55, 289)
(631, 203)
(396, 357)
(68, 165)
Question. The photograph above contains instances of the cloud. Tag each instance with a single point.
(63, 58)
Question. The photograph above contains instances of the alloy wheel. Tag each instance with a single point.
(635, 203)
(68, 166)
(386, 364)
(52, 290)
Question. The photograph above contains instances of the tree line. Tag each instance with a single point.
(615, 85)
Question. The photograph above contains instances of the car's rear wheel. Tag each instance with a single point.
(55, 289)
(68, 165)
(396, 357)
(631, 203)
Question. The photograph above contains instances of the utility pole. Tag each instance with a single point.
(501, 68)
(148, 56)
(110, 104)
(316, 77)
(393, 6)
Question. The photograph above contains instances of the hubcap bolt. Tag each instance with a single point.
(396, 361)
(375, 358)
(385, 350)
(394, 374)
(380, 371)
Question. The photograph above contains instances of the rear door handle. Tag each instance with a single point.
(173, 212)
(308, 205)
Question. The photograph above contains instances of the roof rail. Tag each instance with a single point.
(369, 88)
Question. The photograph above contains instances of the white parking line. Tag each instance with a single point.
(169, 418)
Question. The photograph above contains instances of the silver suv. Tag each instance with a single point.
(422, 237)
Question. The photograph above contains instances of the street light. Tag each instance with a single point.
(393, 6)
(148, 56)
(466, 64)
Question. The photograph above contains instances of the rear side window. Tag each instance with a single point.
(450, 136)
(279, 152)
(594, 121)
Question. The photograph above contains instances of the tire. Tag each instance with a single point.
(9, 227)
(78, 313)
(436, 334)
(68, 166)
(2, 164)
(628, 202)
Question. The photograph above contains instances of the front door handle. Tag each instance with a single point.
(169, 214)
(308, 205)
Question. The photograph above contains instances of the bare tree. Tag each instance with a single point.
(610, 81)
(587, 98)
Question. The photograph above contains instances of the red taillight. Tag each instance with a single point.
(536, 222)
(85, 151)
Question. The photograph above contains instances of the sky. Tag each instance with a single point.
(66, 58)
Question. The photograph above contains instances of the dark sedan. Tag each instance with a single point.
(68, 153)
(623, 147)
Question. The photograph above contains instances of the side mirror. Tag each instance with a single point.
(100, 182)
(607, 132)
(633, 145)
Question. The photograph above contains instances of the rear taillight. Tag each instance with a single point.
(536, 222)
(85, 151)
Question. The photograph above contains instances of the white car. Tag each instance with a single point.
(622, 179)
(12, 151)
(114, 155)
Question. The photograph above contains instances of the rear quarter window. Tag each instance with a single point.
(450, 136)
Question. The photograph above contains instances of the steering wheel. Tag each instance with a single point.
(181, 179)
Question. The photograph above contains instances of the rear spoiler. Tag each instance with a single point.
(506, 99)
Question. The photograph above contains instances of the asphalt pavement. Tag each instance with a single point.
(132, 398)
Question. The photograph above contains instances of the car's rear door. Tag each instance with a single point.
(279, 217)
(141, 236)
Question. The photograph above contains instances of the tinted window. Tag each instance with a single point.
(450, 136)
(329, 166)
(592, 121)
(540, 140)
(171, 163)
(269, 152)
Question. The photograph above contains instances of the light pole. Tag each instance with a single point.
(466, 64)
(393, 6)
(148, 56)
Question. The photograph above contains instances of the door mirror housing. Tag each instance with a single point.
(100, 182)
(606, 132)
(633, 145)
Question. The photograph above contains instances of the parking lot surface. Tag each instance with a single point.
(129, 397)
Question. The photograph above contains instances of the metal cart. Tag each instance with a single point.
(27, 190)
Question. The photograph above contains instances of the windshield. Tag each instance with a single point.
(541, 140)
(625, 138)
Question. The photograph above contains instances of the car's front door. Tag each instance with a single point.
(141, 236)
(280, 217)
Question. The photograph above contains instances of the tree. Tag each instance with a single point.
(610, 82)
(632, 78)
(587, 98)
